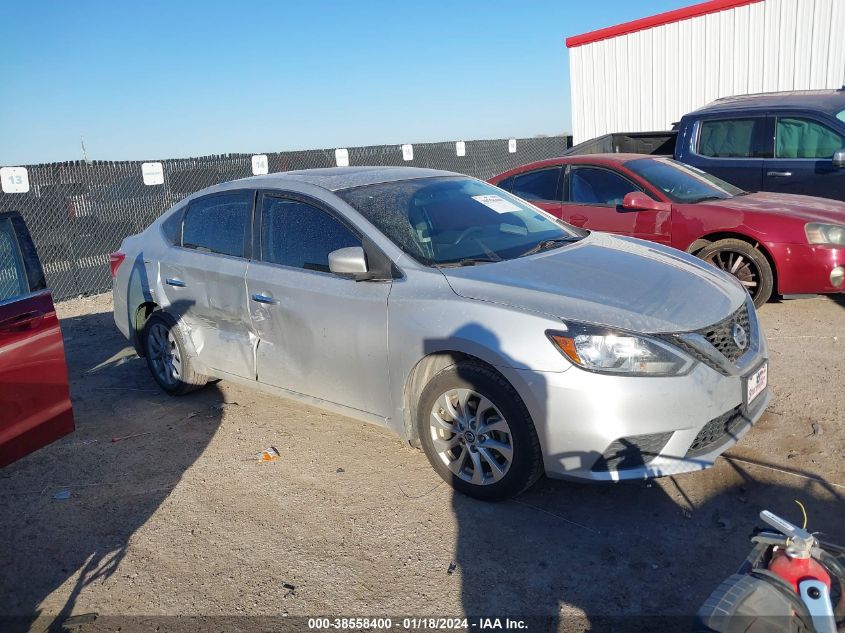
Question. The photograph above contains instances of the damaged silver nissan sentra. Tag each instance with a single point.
(506, 342)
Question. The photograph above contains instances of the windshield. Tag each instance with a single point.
(682, 183)
(457, 220)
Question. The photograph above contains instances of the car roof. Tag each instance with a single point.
(338, 178)
(829, 101)
(590, 159)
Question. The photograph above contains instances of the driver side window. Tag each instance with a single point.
(299, 235)
(13, 282)
(595, 186)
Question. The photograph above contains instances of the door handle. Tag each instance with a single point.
(22, 322)
(779, 174)
(178, 283)
(262, 298)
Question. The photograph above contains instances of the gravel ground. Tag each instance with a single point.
(182, 520)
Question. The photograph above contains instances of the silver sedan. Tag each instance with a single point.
(505, 342)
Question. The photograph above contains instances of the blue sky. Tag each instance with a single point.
(154, 79)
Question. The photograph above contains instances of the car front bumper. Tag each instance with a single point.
(600, 427)
(806, 268)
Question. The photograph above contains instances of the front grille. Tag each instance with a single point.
(698, 355)
(631, 452)
(717, 431)
(721, 335)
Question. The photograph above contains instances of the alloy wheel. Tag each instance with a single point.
(471, 436)
(740, 266)
(164, 354)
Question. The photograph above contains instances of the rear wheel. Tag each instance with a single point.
(477, 433)
(744, 262)
(167, 357)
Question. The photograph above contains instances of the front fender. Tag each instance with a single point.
(441, 324)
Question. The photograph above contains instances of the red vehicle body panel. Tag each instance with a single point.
(775, 222)
(35, 405)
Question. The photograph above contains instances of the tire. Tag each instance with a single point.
(506, 431)
(744, 262)
(163, 338)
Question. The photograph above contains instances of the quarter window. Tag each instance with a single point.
(300, 235)
(590, 185)
(538, 186)
(802, 138)
(731, 138)
(13, 282)
(219, 224)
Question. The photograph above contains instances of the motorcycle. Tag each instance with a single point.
(791, 582)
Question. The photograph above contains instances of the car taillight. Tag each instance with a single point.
(115, 260)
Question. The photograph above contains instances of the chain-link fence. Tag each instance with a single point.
(79, 212)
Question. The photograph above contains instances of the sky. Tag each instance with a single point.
(150, 79)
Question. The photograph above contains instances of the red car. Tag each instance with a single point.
(788, 244)
(35, 407)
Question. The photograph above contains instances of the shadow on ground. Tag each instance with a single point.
(114, 486)
(631, 556)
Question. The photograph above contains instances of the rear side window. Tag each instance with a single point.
(802, 138)
(539, 185)
(731, 138)
(219, 223)
(13, 282)
(590, 185)
(299, 235)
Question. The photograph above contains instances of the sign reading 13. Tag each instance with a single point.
(14, 179)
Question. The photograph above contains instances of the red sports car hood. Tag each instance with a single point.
(807, 208)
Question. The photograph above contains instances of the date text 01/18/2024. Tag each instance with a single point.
(417, 623)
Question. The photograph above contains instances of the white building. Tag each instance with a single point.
(644, 75)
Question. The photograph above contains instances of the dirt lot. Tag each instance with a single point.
(182, 520)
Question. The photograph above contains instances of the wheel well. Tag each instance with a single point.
(706, 240)
(142, 315)
(428, 367)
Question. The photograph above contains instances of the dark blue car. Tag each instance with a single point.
(788, 142)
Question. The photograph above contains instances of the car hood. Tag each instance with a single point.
(609, 280)
(807, 208)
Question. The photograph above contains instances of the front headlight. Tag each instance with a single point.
(818, 233)
(614, 352)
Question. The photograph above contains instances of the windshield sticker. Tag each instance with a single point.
(497, 203)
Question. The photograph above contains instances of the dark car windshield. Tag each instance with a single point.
(457, 220)
(682, 183)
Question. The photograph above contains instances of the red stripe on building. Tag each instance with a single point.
(696, 10)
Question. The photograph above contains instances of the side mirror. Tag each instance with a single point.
(839, 158)
(638, 201)
(349, 261)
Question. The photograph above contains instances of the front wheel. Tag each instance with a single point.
(477, 433)
(167, 357)
(744, 262)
